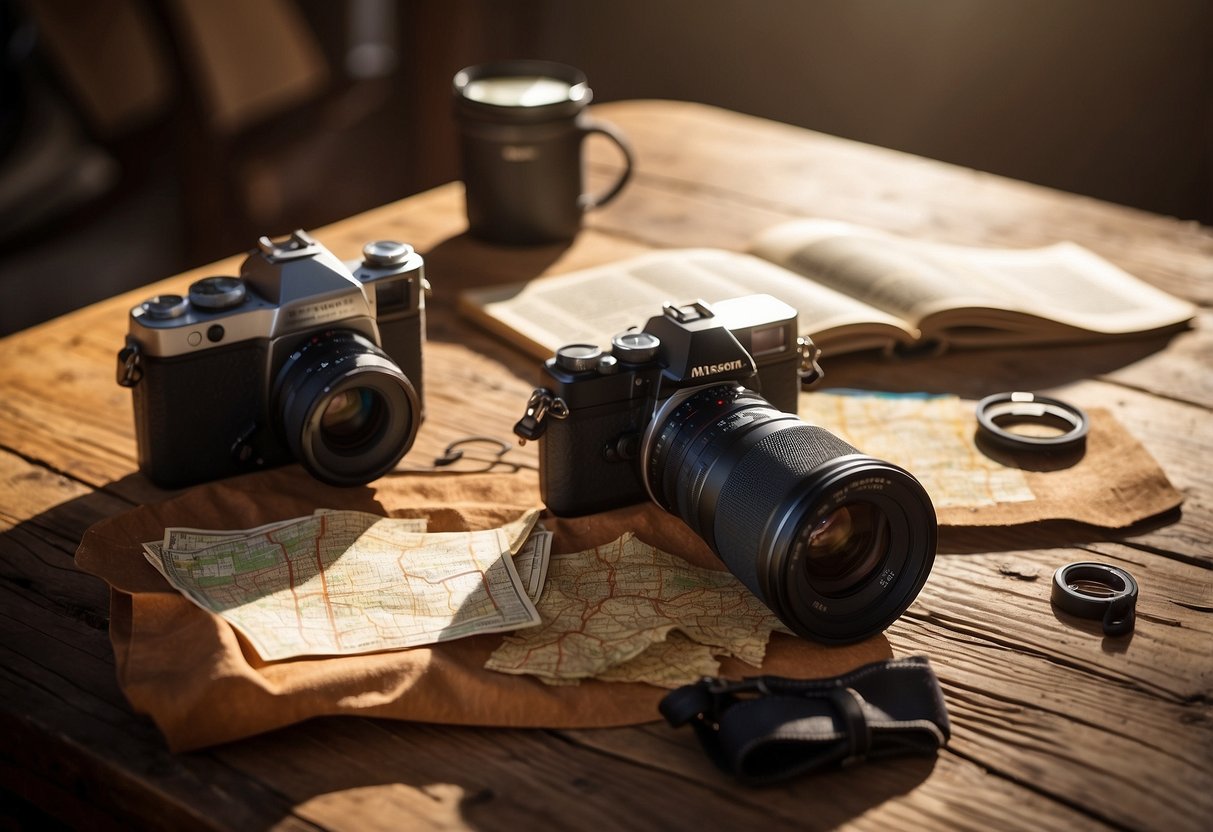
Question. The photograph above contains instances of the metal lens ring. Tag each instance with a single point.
(1097, 591)
(686, 425)
(993, 412)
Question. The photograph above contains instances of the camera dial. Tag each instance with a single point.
(386, 253)
(164, 307)
(215, 293)
(635, 346)
(578, 358)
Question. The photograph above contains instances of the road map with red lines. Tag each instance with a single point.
(343, 582)
(626, 611)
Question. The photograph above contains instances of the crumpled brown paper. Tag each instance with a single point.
(1113, 482)
(203, 684)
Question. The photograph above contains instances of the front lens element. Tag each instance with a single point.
(842, 550)
(351, 417)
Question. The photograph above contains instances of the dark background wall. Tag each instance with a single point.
(1112, 98)
(142, 137)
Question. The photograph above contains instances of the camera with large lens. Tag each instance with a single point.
(696, 411)
(302, 357)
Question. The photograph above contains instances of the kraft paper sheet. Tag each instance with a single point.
(203, 685)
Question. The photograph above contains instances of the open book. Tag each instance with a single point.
(854, 289)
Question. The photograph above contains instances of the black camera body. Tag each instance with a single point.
(588, 458)
(300, 358)
(697, 412)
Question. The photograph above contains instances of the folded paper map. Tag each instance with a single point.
(626, 611)
(346, 582)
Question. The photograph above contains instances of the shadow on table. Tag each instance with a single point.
(972, 374)
(474, 778)
(462, 262)
(1045, 534)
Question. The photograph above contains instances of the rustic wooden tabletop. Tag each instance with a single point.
(1053, 727)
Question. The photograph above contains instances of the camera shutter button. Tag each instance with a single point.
(386, 253)
(634, 347)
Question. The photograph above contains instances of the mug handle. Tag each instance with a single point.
(588, 126)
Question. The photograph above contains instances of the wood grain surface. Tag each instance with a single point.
(1054, 726)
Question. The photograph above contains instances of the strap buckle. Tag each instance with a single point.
(809, 371)
(542, 404)
(130, 364)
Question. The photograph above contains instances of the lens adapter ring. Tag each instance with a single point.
(1097, 591)
(1030, 408)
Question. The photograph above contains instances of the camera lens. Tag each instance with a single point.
(346, 410)
(351, 417)
(838, 544)
(843, 549)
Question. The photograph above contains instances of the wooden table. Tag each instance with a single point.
(1053, 728)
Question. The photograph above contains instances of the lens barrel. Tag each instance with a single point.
(345, 409)
(838, 544)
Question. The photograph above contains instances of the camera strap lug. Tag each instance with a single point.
(542, 404)
(130, 369)
(242, 449)
(809, 371)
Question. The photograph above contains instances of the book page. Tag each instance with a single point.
(1029, 291)
(592, 305)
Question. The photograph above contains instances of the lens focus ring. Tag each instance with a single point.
(762, 480)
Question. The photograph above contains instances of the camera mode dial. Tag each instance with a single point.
(578, 358)
(217, 292)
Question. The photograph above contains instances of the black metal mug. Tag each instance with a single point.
(521, 127)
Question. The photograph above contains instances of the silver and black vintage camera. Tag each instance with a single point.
(300, 358)
(696, 411)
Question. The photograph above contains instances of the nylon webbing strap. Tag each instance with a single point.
(767, 728)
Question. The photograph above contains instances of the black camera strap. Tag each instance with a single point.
(766, 729)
